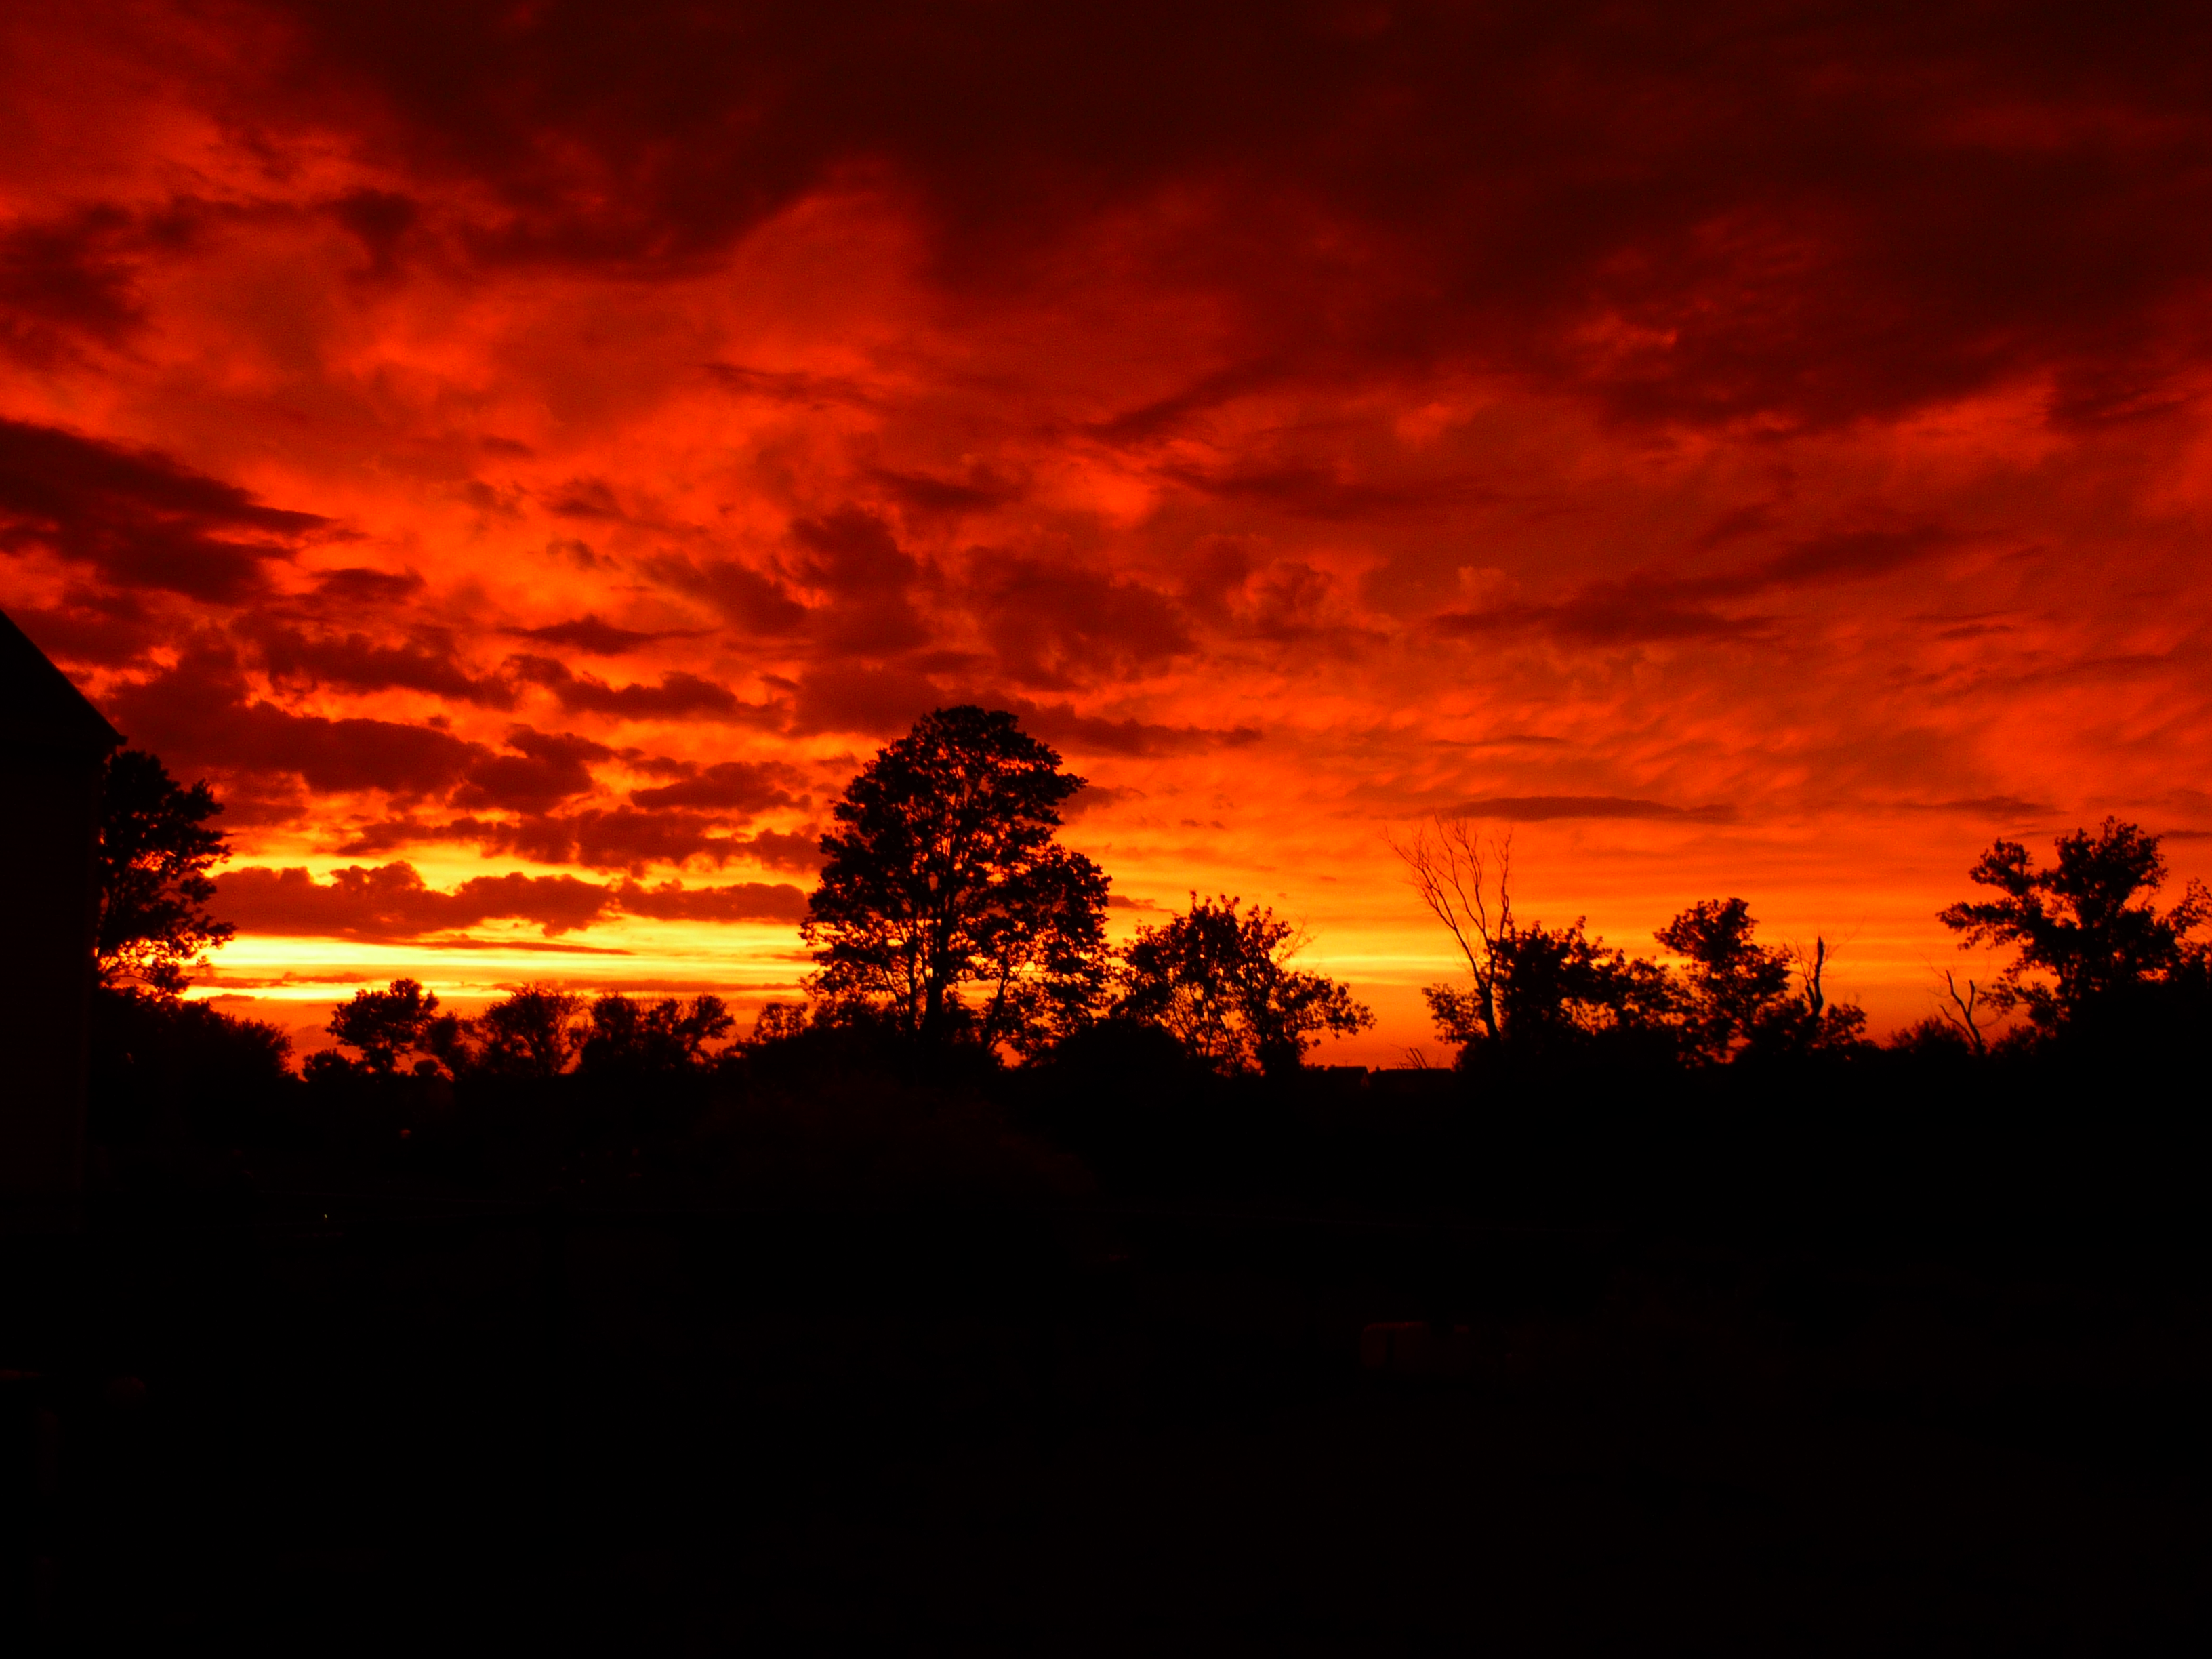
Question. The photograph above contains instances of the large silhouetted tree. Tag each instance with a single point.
(156, 849)
(531, 1032)
(1741, 997)
(1731, 981)
(1219, 980)
(667, 1039)
(385, 1026)
(1529, 987)
(2084, 932)
(947, 903)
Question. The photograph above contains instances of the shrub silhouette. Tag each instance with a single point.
(1220, 981)
(2086, 938)
(155, 848)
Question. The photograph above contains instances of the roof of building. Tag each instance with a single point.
(39, 708)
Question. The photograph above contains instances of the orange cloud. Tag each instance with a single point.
(1761, 451)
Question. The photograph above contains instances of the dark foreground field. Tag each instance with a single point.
(409, 1416)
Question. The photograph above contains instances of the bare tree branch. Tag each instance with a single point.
(1444, 862)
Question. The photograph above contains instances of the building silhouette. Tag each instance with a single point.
(53, 746)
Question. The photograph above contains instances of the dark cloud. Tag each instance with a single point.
(1057, 627)
(853, 558)
(353, 662)
(199, 714)
(780, 850)
(1607, 613)
(1311, 490)
(752, 602)
(1096, 797)
(138, 517)
(93, 625)
(787, 387)
(1753, 208)
(2004, 808)
(68, 278)
(545, 770)
(380, 220)
(744, 786)
(1060, 724)
(392, 901)
(586, 498)
(1173, 413)
(1652, 607)
(1538, 809)
(620, 838)
(744, 901)
(679, 696)
(355, 585)
(593, 635)
(876, 701)
(980, 489)
(389, 835)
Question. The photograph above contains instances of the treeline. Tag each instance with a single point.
(960, 954)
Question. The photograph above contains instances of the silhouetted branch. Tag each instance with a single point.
(1445, 861)
(1966, 1007)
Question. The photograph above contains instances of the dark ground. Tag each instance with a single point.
(373, 1421)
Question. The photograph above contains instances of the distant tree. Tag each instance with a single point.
(531, 1032)
(780, 1022)
(1445, 861)
(1739, 996)
(1219, 980)
(1528, 986)
(384, 1027)
(156, 1058)
(666, 1038)
(1731, 981)
(2084, 932)
(947, 902)
(156, 849)
(1558, 987)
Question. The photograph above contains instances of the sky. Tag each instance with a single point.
(528, 456)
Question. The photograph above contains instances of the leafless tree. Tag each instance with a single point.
(1810, 965)
(1963, 1011)
(1445, 862)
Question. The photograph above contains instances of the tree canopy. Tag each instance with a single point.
(155, 848)
(385, 1026)
(947, 902)
(1219, 981)
(2085, 932)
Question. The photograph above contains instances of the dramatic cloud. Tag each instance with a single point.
(746, 901)
(392, 901)
(1757, 449)
(745, 786)
(135, 517)
(1539, 809)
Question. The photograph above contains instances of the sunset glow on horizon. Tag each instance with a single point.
(528, 464)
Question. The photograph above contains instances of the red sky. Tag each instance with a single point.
(527, 455)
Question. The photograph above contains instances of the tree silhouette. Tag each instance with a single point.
(1738, 995)
(630, 1038)
(2084, 932)
(1219, 981)
(385, 1026)
(155, 848)
(1559, 988)
(945, 879)
(1530, 985)
(1445, 860)
(1731, 981)
(529, 1032)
